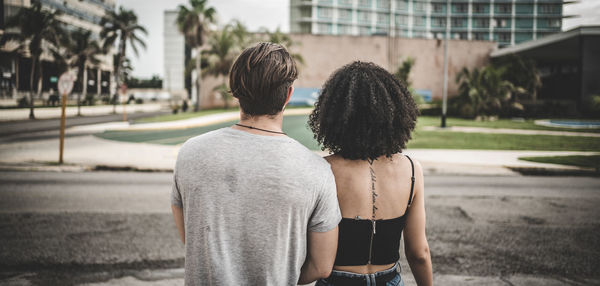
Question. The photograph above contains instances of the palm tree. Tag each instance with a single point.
(278, 37)
(523, 73)
(37, 28)
(403, 72)
(483, 92)
(121, 25)
(222, 50)
(83, 53)
(193, 23)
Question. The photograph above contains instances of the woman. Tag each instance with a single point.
(364, 117)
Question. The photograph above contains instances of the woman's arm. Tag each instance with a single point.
(415, 239)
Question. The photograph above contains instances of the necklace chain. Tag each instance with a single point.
(256, 128)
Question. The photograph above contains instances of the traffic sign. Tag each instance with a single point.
(65, 82)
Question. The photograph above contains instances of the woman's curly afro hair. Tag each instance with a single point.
(363, 113)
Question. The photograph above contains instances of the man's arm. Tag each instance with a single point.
(322, 247)
(178, 216)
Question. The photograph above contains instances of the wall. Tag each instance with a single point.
(324, 54)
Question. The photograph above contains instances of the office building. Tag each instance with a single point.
(507, 22)
(76, 14)
(173, 55)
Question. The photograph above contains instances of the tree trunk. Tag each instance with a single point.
(199, 78)
(31, 81)
(80, 77)
(224, 91)
(117, 75)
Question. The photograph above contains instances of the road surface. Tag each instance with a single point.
(90, 227)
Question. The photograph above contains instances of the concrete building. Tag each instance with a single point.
(174, 56)
(76, 14)
(507, 22)
(569, 64)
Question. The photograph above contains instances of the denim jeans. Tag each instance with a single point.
(363, 279)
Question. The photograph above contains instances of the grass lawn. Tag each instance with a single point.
(500, 123)
(592, 161)
(184, 115)
(296, 127)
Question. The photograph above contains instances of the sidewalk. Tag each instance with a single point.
(55, 112)
(466, 129)
(90, 152)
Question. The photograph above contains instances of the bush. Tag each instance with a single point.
(23, 102)
(591, 106)
(139, 101)
(89, 99)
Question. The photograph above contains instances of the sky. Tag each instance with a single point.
(270, 14)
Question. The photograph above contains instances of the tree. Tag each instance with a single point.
(83, 53)
(224, 45)
(37, 28)
(483, 91)
(193, 22)
(121, 25)
(523, 73)
(285, 40)
(403, 72)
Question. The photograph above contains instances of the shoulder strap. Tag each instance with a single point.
(412, 180)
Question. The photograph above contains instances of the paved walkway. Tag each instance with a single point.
(87, 151)
(54, 112)
(510, 131)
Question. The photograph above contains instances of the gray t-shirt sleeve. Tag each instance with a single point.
(176, 194)
(326, 214)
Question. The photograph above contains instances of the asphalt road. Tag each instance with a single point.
(23, 128)
(71, 228)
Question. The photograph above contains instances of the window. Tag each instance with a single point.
(364, 17)
(460, 8)
(381, 31)
(438, 22)
(344, 29)
(437, 8)
(504, 37)
(401, 20)
(345, 3)
(401, 5)
(364, 3)
(383, 4)
(457, 22)
(419, 21)
(479, 8)
(503, 8)
(383, 18)
(554, 23)
(482, 23)
(500, 23)
(548, 9)
(480, 36)
(325, 28)
(364, 30)
(325, 12)
(345, 15)
(419, 6)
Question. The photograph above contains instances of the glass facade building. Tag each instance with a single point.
(507, 22)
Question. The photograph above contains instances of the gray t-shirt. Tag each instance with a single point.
(248, 201)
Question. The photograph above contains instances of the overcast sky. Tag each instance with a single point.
(269, 14)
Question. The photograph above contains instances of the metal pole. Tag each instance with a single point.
(445, 90)
(62, 128)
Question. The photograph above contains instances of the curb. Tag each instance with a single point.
(549, 172)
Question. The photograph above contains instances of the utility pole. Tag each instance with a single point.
(445, 90)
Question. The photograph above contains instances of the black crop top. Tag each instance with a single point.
(376, 242)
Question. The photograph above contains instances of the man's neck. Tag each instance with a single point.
(271, 123)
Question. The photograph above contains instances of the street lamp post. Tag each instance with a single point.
(445, 90)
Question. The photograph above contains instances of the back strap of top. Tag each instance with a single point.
(412, 180)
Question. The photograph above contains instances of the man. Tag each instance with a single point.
(253, 206)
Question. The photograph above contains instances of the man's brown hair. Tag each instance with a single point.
(260, 78)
